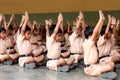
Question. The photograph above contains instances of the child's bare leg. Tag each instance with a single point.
(5, 57)
(29, 60)
(37, 51)
(61, 62)
(115, 59)
(107, 66)
(70, 60)
(80, 57)
(39, 58)
(14, 56)
(65, 54)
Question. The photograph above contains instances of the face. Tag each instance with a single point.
(58, 37)
(3, 35)
(35, 32)
(109, 35)
(27, 35)
(79, 33)
(10, 32)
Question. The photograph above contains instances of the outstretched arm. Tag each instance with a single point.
(60, 19)
(47, 28)
(78, 22)
(99, 25)
(108, 26)
(4, 22)
(11, 19)
(25, 23)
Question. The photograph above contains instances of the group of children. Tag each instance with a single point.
(59, 47)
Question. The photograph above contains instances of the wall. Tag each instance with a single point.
(50, 6)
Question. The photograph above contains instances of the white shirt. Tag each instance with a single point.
(53, 47)
(24, 46)
(76, 43)
(2, 46)
(90, 51)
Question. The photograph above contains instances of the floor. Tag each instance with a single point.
(14, 72)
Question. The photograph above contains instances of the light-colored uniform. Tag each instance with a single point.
(91, 57)
(76, 45)
(54, 51)
(104, 46)
(3, 48)
(24, 47)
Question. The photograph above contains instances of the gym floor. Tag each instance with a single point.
(15, 72)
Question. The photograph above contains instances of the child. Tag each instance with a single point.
(76, 40)
(92, 67)
(26, 58)
(105, 46)
(36, 48)
(10, 42)
(55, 61)
(4, 57)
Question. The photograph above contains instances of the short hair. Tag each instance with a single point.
(88, 31)
(103, 30)
(2, 29)
(27, 28)
(51, 29)
(10, 27)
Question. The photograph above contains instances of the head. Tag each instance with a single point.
(109, 33)
(80, 31)
(35, 32)
(59, 33)
(103, 31)
(10, 30)
(88, 32)
(27, 33)
(2, 33)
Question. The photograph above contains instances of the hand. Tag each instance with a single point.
(47, 22)
(80, 15)
(3, 17)
(0, 17)
(109, 18)
(26, 16)
(68, 23)
(113, 21)
(60, 17)
(101, 15)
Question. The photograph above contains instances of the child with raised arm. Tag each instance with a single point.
(4, 57)
(55, 61)
(105, 46)
(10, 42)
(24, 46)
(91, 65)
(76, 40)
(37, 49)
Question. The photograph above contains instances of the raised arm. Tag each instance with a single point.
(0, 18)
(118, 25)
(60, 19)
(113, 25)
(98, 27)
(78, 22)
(11, 19)
(25, 23)
(108, 26)
(4, 22)
(22, 20)
(47, 28)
